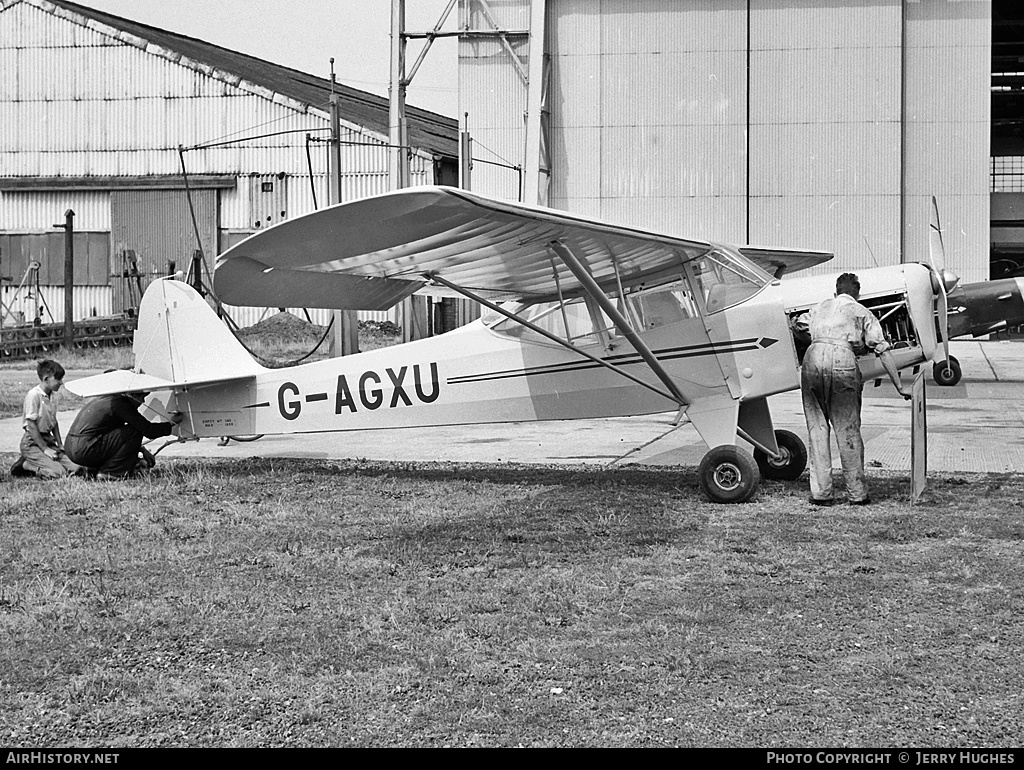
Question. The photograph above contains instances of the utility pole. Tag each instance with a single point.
(69, 277)
(414, 320)
(344, 337)
(398, 170)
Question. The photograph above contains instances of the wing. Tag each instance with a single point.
(779, 262)
(370, 253)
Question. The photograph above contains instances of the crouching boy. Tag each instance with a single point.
(42, 450)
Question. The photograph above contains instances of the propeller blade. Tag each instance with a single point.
(937, 259)
(936, 249)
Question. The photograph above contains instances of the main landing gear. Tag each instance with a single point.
(731, 474)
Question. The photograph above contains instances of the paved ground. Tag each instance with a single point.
(978, 425)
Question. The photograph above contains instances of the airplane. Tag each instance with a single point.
(977, 309)
(583, 319)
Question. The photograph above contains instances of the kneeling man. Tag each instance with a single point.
(107, 434)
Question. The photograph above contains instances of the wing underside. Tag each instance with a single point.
(370, 253)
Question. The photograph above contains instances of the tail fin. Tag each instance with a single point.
(181, 339)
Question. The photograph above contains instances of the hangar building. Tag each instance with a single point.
(821, 125)
(94, 109)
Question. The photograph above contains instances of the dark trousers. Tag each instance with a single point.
(116, 452)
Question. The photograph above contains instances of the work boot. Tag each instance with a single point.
(19, 471)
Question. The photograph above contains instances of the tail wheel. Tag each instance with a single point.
(791, 461)
(729, 474)
(947, 373)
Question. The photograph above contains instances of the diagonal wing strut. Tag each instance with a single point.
(555, 338)
(621, 322)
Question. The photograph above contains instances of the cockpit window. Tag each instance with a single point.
(663, 305)
(550, 317)
(725, 278)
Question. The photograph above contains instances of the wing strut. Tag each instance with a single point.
(620, 321)
(553, 337)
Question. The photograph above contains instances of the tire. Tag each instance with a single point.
(945, 374)
(793, 462)
(728, 474)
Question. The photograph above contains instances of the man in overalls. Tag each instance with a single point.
(839, 330)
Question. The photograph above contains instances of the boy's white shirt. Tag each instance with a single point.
(42, 408)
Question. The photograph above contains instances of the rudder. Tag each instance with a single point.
(180, 338)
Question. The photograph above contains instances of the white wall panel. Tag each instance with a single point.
(709, 218)
(689, 88)
(656, 27)
(946, 130)
(89, 302)
(672, 161)
(852, 227)
(665, 96)
(827, 159)
(827, 25)
(579, 169)
(492, 94)
(507, 14)
(23, 211)
(825, 141)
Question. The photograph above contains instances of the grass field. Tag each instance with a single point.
(268, 602)
(272, 602)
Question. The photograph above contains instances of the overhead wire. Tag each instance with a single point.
(221, 310)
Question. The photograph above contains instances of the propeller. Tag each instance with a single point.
(946, 280)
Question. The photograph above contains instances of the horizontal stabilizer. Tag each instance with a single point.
(128, 381)
(246, 281)
(119, 381)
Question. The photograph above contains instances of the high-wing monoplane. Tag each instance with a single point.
(582, 319)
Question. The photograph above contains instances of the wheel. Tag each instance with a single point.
(728, 474)
(947, 374)
(790, 464)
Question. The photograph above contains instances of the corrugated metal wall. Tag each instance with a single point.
(947, 59)
(76, 102)
(492, 94)
(48, 302)
(856, 112)
(825, 144)
(157, 226)
(648, 97)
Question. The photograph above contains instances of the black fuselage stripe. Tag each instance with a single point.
(626, 359)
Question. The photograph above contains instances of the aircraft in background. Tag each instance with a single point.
(583, 319)
(977, 309)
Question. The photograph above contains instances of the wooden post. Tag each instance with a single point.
(344, 337)
(69, 277)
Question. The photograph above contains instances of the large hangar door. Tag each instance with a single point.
(157, 226)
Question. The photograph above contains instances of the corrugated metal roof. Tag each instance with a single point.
(429, 131)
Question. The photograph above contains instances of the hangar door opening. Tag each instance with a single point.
(149, 229)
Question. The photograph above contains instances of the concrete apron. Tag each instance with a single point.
(975, 426)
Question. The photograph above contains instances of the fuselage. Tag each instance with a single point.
(482, 374)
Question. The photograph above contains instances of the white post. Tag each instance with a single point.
(534, 105)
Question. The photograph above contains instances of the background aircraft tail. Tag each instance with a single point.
(181, 339)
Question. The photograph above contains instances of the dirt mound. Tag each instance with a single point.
(282, 327)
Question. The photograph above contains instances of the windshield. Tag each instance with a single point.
(725, 278)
